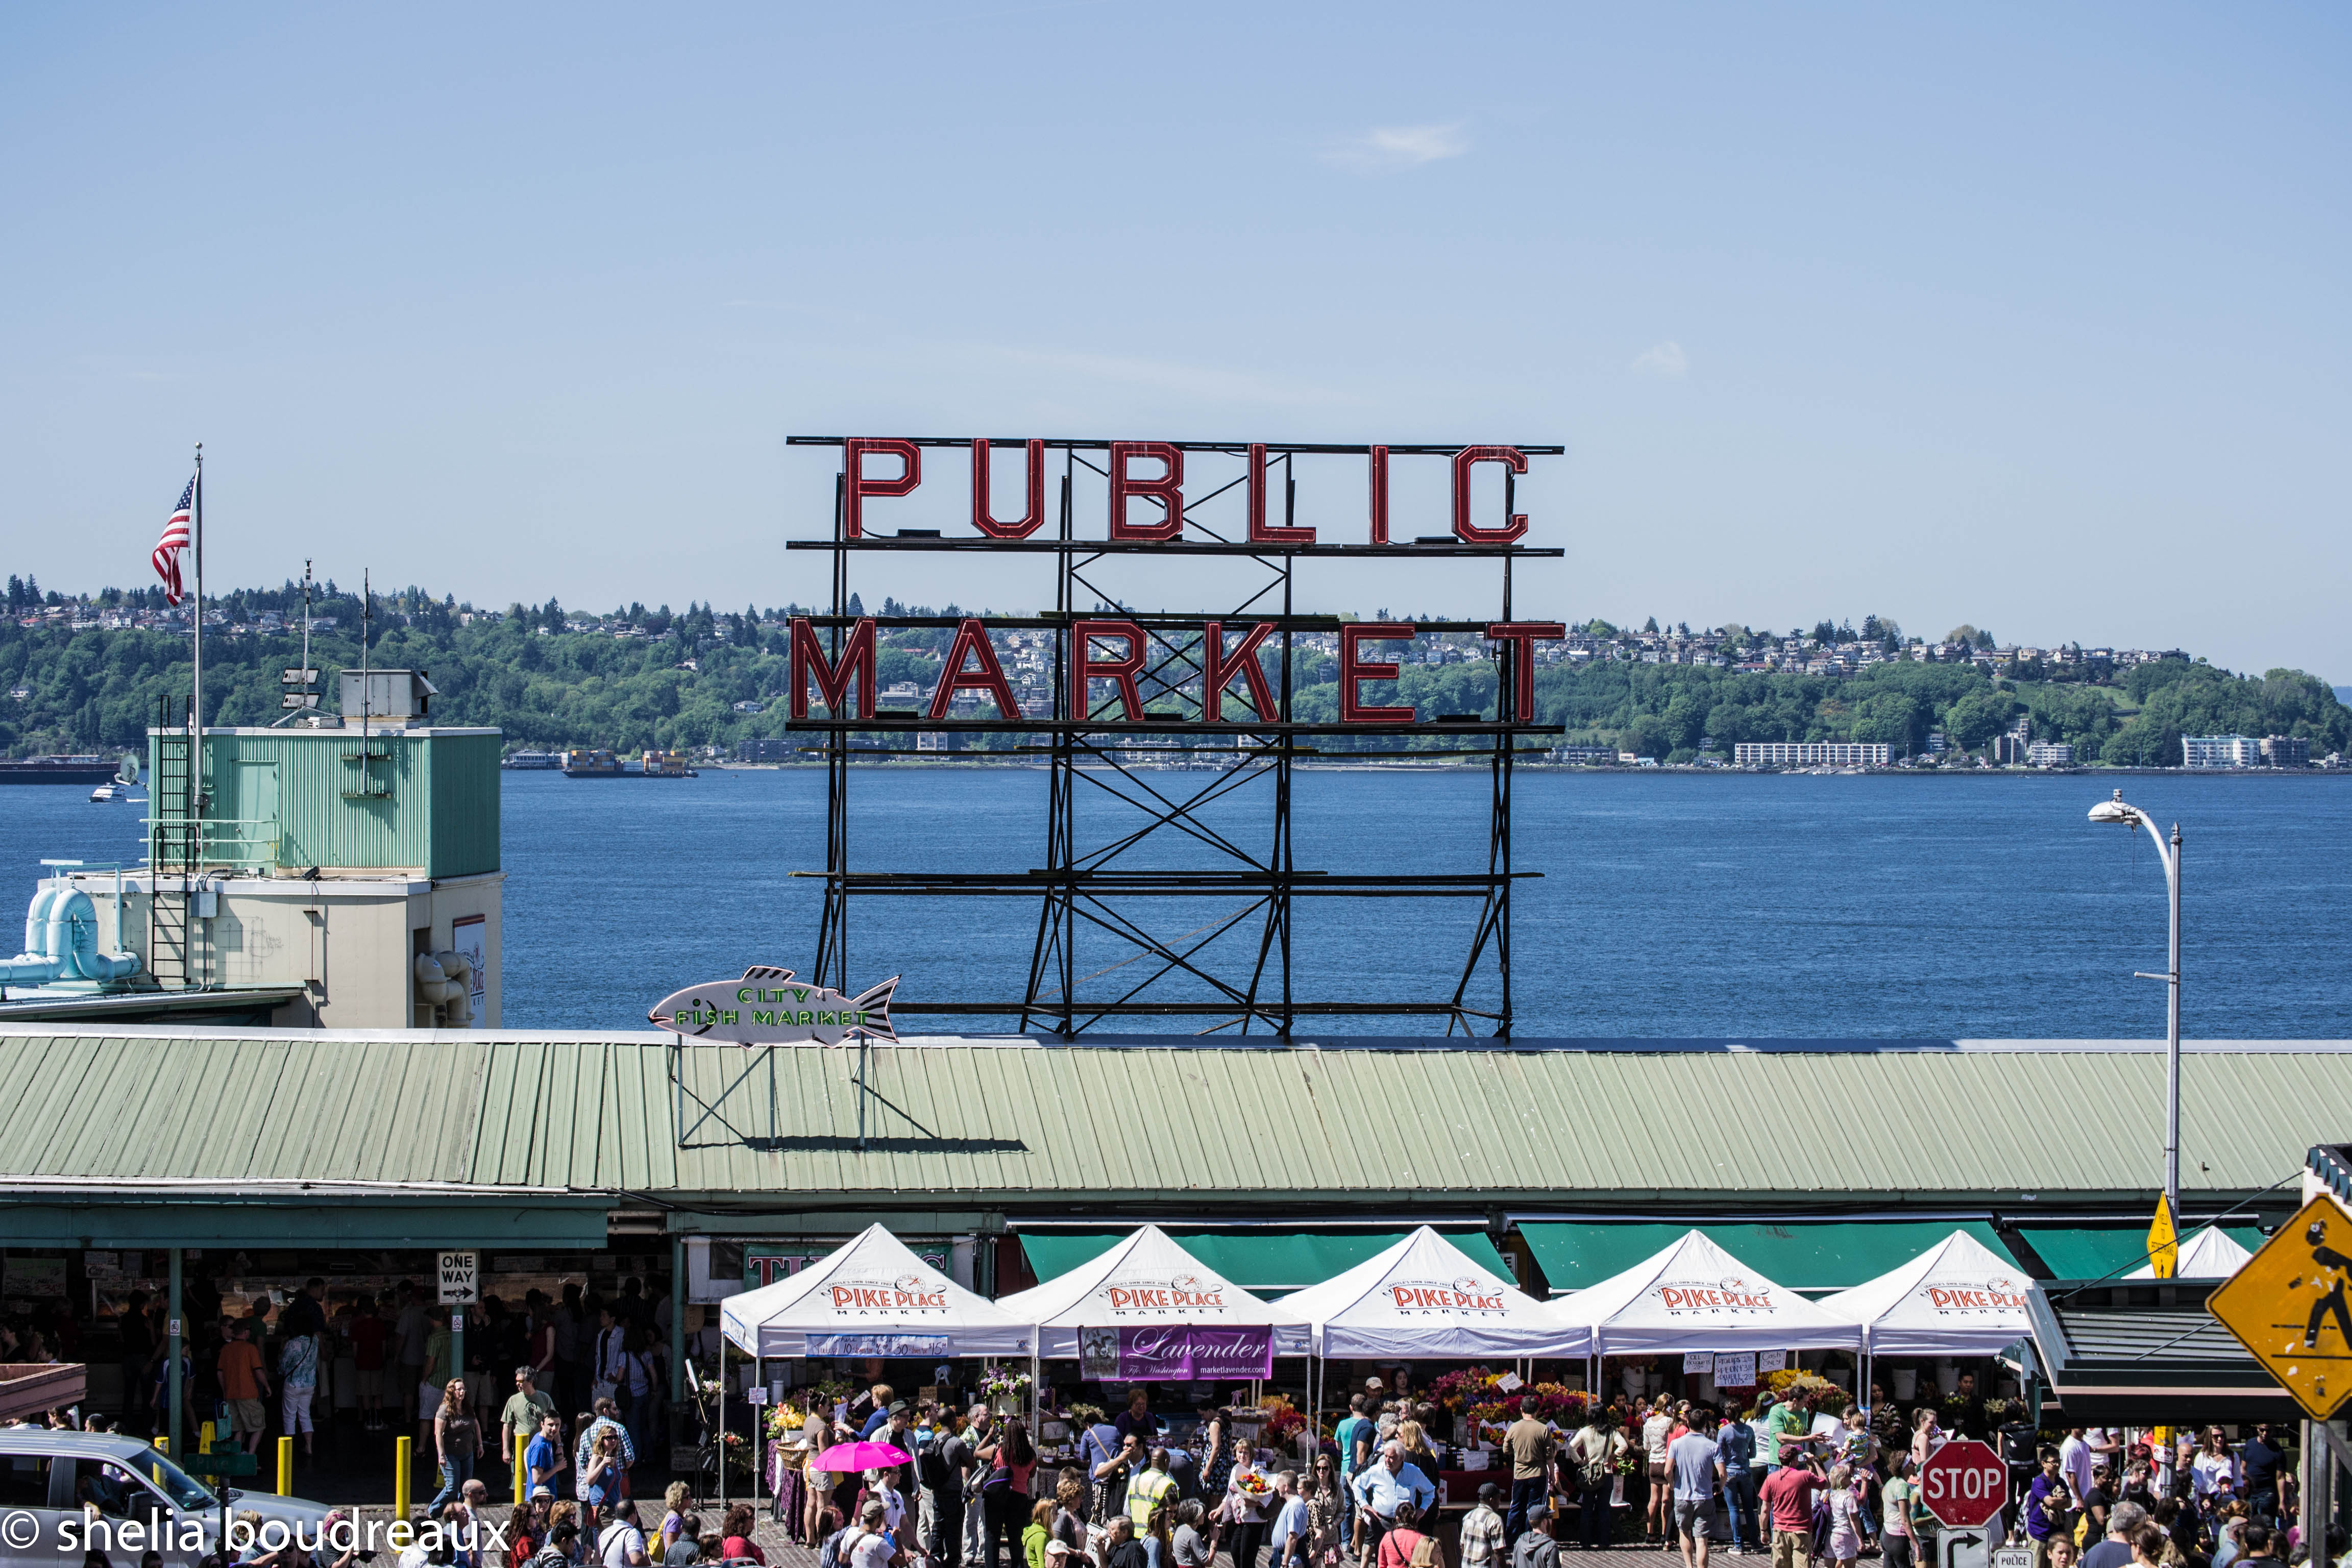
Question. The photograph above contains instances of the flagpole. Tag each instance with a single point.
(196, 694)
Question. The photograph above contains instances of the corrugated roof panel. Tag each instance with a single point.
(1178, 1122)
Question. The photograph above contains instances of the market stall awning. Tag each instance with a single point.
(1426, 1297)
(2104, 1252)
(870, 1297)
(1147, 1280)
(1693, 1296)
(1268, 1262)
(1830, 1254)
(2210, 1253)
(1958, 1297)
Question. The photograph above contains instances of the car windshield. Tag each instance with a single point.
(185, 1490)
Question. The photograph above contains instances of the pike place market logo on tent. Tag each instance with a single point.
(865, 1298)
(1952, 1298)
(1177, 1292)
(1731, 1296)
(1452, 1297)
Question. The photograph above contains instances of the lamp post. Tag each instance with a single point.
(2129, 817)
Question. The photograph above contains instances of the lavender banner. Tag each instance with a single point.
(1224, 1353)
(1175, 1352)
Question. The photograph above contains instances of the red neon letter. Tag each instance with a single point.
(1353, 669)
(972, 638)
(1512, 459)
(1259, 531)
(1167, 489)
(1120, 672)
(832, 679)
(1521, 637)
(983, 519)
(857, 487)
(1380, 495)
(1218, 669)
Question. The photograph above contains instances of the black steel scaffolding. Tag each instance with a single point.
(1086, 888)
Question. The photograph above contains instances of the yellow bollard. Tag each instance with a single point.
(285, 1466)
(522, 1470)
(402, 1457)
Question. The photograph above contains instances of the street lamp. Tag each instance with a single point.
(2129, 817)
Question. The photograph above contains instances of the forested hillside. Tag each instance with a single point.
(676, 680)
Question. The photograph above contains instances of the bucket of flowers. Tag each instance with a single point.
(1006, 1390)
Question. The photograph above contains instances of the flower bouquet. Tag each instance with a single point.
(1006, 1390)
(1253, 1486)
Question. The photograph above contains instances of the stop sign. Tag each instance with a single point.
(1964, 1483)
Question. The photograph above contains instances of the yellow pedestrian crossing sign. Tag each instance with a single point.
(2291, 1305)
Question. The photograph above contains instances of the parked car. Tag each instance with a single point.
(59, 1489)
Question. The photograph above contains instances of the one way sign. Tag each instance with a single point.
(1963, 1549)
(461, 1282)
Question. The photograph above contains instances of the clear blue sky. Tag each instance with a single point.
(2034, 317)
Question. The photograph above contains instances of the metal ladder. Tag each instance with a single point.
(173, 852)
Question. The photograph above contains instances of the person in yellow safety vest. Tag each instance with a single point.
(1151, 1488)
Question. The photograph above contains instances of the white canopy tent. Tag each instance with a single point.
(1958, 1297)
(871, 1298)
(2208, 1253)
(1146, 1280)
(1426, 1297)
(1693, 1296)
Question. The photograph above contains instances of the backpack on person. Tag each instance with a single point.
(932, 1466)
(829, 1554)
(1597, 1470)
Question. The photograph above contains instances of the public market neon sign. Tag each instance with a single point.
(1158, 486)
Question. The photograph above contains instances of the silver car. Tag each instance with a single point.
(65, 1493)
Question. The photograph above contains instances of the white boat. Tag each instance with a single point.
(112, 789)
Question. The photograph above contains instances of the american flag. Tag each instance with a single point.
(175, 539)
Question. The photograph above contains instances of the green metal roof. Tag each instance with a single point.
(1463, 1133)
(1272, 1260)
(1822, 1256)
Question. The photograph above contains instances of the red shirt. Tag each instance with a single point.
(1790, 1497)
(367, 1343)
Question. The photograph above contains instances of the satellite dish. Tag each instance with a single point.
(128, 774)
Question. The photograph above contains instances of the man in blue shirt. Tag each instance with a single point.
(1379, 1488)
(1353, 1432)
(1734, 1447)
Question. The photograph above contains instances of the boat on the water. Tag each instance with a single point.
(528, 762)
(595, 764)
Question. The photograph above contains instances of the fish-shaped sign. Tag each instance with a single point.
(767, 1007)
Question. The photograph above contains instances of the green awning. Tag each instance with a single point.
(2106, 1253)
(1828, 1256)
(1265, 1262)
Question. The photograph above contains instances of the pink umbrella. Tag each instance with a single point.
(860, 1456)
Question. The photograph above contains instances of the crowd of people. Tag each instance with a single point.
(596, 1368)
(1813, 1483)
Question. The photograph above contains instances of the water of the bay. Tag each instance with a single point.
(1670, 905)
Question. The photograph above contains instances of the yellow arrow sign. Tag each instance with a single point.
(2164, 1241)
(2291, 1305)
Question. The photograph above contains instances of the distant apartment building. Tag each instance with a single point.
(2050, 755)
(766, 750)
(2287, 752)
(1812, 754)
(1584, 756)
(2010, 747)
(2220, 751)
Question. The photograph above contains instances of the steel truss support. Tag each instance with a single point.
(1115, 885)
